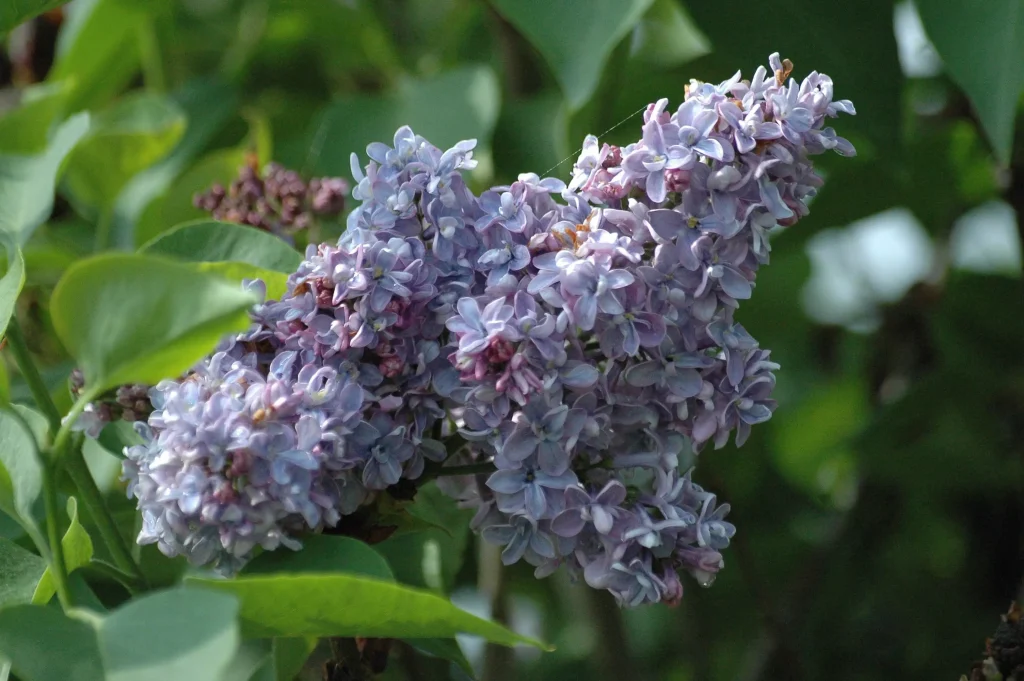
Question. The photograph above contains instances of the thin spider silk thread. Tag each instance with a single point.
(321, 136)
(316, 147)
(577, 152)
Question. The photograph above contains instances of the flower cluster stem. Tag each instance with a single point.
(58, 567)
(92, 499)
(68, 453)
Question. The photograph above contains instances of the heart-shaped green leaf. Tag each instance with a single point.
(129, 318)
(211, 241)
(21, 473)
(350, 605)
(25, 130)
(596, 28)
(27, 182)
(129, 137)
(982, 47)
(77, 553)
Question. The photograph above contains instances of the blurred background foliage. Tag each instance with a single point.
(880, 514)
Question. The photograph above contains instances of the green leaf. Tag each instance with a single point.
(596, 29)
(138, 319)
(429, 558)
(445, 648)
(277, 282)
(820, 460)
(21, 473)
(827, 37)
(982, 46)
(11, 282)
(251, 662)
(77, 553)
(532, 134)
(175, 634)
(20, 11)
(98, 48)
(323, 553)
(27, 182)
(175, 207)
(456, 105)
(211, 241)
(348, 605)
(29, 636)
(208, 103)
(667, 36)
(290, 655)
(20, 572)
(25, 130)
(127, 138)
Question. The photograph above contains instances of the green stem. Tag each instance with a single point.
(23, 358)
(103, 228)
(57, 565)
(92, 499)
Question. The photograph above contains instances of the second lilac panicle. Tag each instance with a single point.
(577, 337)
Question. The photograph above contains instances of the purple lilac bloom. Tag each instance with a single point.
(575, 338)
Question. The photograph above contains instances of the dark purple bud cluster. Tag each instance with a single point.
(126, 403)
(277, 200)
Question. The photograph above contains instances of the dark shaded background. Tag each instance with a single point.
(880, 514)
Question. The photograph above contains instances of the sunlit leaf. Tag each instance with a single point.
(27, 182)
(77, 553)
(11, 282)
(122, 141)
(25, 130)
(98, 48)
(208, 103)
(350, 605)
(138, 319)
(211, 241)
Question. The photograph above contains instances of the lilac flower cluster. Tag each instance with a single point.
(573, 339)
